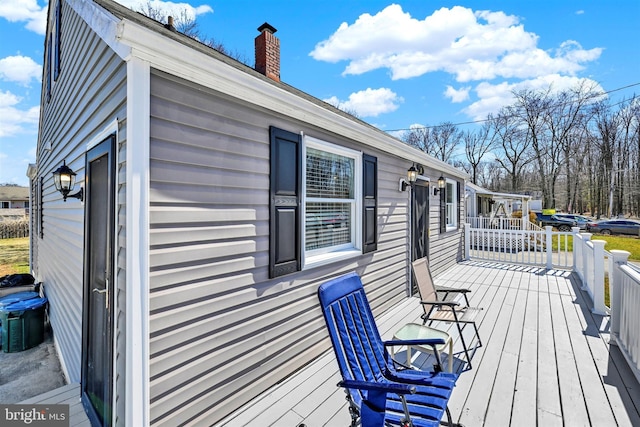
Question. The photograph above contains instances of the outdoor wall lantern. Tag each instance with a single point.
(412, 176)
(440, 187)
(65, 179)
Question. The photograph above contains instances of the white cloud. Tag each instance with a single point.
(472, 46)
(492, 97)
(369, 102)
(168, 8)
(13, 120)
(457, 95)
(27, 11)
(20, 69)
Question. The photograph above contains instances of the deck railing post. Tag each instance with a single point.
(549, 248)
(575, 231)
(615, 296)
(598, 278)
(467, 241)
(586, 237)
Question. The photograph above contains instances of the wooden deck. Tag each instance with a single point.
(67, 395)
(545, 360)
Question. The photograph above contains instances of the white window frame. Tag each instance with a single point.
(451, 207)
(316, 257)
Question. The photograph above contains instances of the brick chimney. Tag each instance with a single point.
(268, 52)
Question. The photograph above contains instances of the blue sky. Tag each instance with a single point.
(395, 64)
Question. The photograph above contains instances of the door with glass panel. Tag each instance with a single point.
(420, 220)
(97, 336)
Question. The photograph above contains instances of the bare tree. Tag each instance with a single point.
(626, 195)
(477, 145)
(187, 24)
(446, 138)
(420, 138)
(563, 118)
(513, 154)
(531, 109)
(439, 141)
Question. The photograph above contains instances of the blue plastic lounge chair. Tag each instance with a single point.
(378, 392)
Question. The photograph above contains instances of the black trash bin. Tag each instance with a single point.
(22, 324)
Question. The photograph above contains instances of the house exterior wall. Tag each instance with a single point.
(445, 249)
(89, 93)
(221, 331)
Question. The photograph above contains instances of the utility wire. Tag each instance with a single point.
(596, 95)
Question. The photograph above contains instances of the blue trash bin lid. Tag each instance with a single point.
(17, 297)
(28, 304)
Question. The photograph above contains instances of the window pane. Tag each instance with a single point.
(451, 218)
(327, 224)
(329, 175)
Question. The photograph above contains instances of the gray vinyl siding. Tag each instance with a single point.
(446, 249)
(221, 330)
(90, 93)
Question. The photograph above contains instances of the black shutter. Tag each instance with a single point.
(443, 209)
(48, 70)
(285, 192)
(58, 50)
(458, 202)
(369, 203)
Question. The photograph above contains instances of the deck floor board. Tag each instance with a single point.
(545, 359)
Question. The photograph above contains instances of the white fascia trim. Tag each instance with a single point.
(172, 57)
(103, 23)
(137, 412)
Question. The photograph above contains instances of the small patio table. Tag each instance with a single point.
(416, 331)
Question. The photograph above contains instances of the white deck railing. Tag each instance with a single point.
(591, 262)
(625, 309)
(542, 247)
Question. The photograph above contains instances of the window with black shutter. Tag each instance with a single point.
(323, 206)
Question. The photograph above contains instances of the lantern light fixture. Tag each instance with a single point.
(441, 184)
(412, 177)
(64, 179)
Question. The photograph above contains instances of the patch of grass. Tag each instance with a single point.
(562, 241)
(15, 256)
(625, 243)
(629, 244)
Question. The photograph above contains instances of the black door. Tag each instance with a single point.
(420, 220)
(97, 322)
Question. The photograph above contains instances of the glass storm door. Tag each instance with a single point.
(97, 335)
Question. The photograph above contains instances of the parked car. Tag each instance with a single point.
(615, 226)
(562, 224)
(581, 220)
